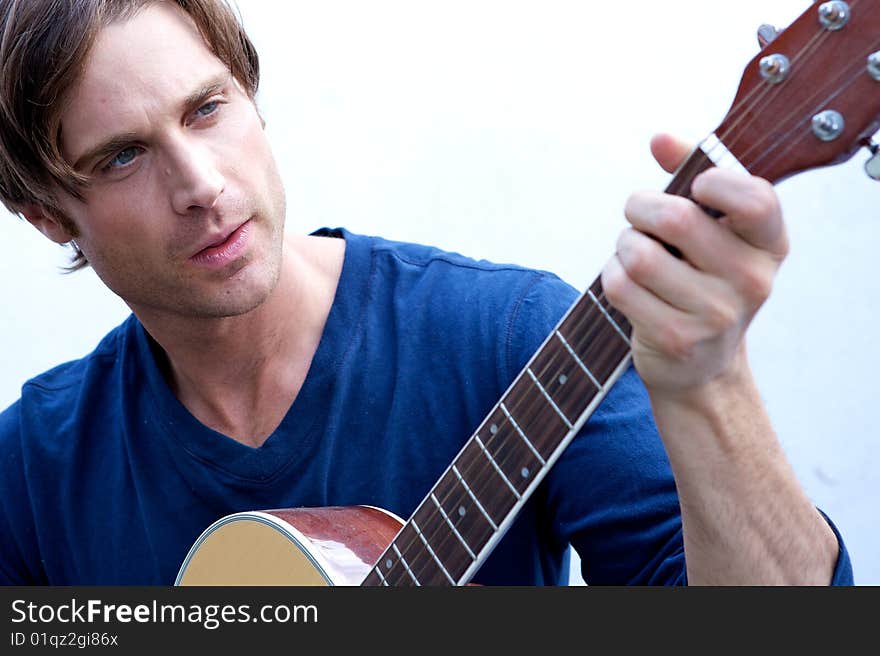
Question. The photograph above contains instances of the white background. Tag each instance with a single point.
(514, 131)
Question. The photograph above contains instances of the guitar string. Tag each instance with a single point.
(791, 140)
(762, 91)
(597, 314)
(816, 41)
(858, 67)
(856, 70)
(795, 134)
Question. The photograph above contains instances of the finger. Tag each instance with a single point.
(705, 243)
(639, 305)
(749, 204)
(669, 278)
(669, 151)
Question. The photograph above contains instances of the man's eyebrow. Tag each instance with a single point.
(119, 141)
(208, 89)
(108, 147)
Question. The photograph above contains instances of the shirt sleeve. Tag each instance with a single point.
(843, 572)
(19, 553)
(612, 495)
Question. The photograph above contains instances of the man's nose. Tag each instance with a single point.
(196, 183)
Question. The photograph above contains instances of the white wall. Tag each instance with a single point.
(514, 131)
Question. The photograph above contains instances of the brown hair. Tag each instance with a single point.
(43, 48)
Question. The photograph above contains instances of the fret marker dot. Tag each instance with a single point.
(562, 379)
(461, 511)
(388, 563)
(493, 429)
(525, 472)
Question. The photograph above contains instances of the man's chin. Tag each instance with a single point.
(233, 299)
(232, 302)
(232, 307)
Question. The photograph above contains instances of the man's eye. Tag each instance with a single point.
(208, 108)
(123, 158)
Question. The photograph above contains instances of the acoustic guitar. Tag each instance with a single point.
(810, 98)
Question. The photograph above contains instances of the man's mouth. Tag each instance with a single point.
(218, 250)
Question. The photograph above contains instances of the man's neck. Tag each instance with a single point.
(239, 375)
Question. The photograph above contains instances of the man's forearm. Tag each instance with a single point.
(746, 519)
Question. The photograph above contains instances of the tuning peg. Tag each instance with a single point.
(766, 34)
(872, 166)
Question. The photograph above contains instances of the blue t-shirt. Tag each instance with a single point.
(106, 478)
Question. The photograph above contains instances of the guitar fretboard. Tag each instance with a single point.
(469, 509)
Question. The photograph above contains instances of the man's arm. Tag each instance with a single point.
(745, 517)
(19, 551)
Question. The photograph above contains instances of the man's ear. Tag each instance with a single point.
(45, 222)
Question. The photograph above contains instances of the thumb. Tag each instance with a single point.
(669, 151)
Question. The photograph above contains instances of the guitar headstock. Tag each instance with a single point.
(811, 97)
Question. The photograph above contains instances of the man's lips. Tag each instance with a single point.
(219, 249)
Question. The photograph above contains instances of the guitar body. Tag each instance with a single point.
(335, 545)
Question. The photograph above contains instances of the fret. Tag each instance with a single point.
(587, 325)
(486, 482)
(619, 318)
(516, 459)
(495, 464)
(533, 421)
(454, 530)
(696, 163)
(433, 555)
(548, 397)
(598, 343)
(405, 564)
(580, 362)
(389, 563)
(608, 316)
(444, 556)
(475, 528)
(393, 567)
(378, 571)
(563, 379)
(420, 560)
(474, 498)
(525, 439)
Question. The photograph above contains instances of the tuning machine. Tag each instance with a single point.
(766, 34)
(872, 166)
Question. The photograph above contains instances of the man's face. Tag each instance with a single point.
(185, 211)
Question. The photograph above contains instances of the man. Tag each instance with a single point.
(261, 369)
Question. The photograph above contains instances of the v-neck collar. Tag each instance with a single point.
(295, 437)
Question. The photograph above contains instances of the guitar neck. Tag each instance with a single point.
(470, 508)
